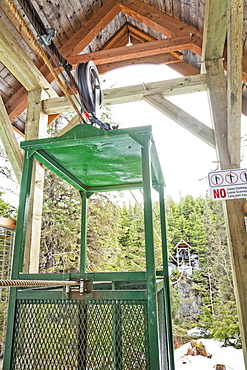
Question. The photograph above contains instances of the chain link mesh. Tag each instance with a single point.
(162, 330)
(71, 335)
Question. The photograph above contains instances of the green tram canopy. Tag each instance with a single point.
(94, 160)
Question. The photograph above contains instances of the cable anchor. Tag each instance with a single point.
(47, 38)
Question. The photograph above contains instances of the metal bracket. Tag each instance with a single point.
(47, 38)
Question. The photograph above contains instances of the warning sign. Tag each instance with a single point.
(228, 184)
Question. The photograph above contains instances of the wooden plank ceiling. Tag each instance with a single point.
(168, 32)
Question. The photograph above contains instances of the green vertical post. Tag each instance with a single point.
(150, 259)
(21, 228)
(167, 302)
(83, 254)
(10, 330)
(117, 333)
(18, 255)
(82, 347)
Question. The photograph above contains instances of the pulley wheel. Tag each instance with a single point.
(88, 82)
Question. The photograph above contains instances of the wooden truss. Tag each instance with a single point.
(224, 92)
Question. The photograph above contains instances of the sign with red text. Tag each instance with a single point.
(228, 184)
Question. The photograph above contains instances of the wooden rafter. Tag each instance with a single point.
(166, 58)
(19, 64)
(18, 102)
(91, 28)
(145, 13)
(138, 50)
(156, 19)
(86, 34)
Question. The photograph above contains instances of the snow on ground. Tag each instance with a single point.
(230, 357)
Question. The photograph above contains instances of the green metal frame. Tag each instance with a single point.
(93, 160)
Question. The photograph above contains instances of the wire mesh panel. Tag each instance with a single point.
(6, 248)
(71, 335)
(162, 330)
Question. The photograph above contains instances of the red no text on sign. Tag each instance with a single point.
(228, 184)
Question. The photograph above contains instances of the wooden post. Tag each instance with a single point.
(11, 146)
(36, 128)
(233, 209)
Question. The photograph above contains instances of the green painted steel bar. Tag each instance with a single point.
(90, 135)
(21, 228)
(45, 159)
(96, 276)
(136, 295)
(10, 330)
(48, 276)
(95, 295)
(83, 254)
(116, 276)
(70, 143)
(119, 187)
(150, 259)
(116, 334)
(167, 302)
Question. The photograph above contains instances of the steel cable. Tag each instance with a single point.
(20, 283)
(85, 101)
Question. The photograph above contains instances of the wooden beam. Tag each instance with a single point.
(184, 68)
(234, 79)
(36, 128)
(91, 28)
(156, 19)
(11, 146)
(72, 123)
(57, 105)
(19, 64)
(138, 50)
(127, 94)
(214, 31)
(237, 242)
(168, 59)
(234, 209)
(183, 118)
(176, 86)
(117, 38)
(217, 94)
(236, 230)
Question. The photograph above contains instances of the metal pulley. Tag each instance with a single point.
(88, 81)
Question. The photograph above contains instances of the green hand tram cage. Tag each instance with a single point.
(99, 320)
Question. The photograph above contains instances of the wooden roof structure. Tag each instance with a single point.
(204, 40)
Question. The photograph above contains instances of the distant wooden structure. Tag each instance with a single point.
(183, 254)
(188, 35)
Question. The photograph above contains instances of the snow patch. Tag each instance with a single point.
(230, 357)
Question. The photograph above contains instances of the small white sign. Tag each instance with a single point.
(228, 184)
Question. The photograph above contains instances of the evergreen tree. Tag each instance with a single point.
(6, 209)
(200, 222)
